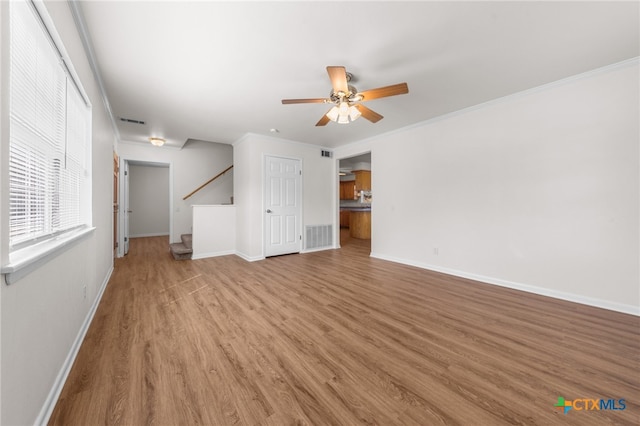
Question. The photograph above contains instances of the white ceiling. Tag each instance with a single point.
(214, 71)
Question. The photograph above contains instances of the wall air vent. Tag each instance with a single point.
(327, 154)
(319, 237)
(131, 120)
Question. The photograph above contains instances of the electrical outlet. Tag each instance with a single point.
(436, 251)
(84, 292)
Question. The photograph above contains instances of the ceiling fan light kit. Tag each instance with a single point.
(346, 97)
(354, 112)
(333, 113)
(343, 113)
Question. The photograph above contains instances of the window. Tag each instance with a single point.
(50, 135)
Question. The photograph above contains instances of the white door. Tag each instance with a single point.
(283, 206)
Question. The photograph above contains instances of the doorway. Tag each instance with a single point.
(355, 200)
(139, 207)
(282, 206)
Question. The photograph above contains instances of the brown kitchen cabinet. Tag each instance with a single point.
(363, 180)
(344, 218)
(347, 190)
(360, 224)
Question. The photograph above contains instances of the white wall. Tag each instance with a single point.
(43, 314)
(319, 199)
(537, 191)
(214, 231)
(149, 201)
(191, 166)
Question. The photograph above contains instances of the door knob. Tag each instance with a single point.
(269, 211)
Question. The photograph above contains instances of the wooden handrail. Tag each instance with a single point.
(208, 182)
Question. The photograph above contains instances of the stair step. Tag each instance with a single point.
(187, 240)
(180, 252)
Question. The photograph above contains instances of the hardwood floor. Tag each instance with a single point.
(336, 337)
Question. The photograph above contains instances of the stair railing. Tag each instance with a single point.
(208, 182)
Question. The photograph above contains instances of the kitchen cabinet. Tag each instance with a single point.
(360, 224)
(344, 218)
(363, 180)
(347, 190)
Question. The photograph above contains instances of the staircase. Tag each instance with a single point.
(183, 250)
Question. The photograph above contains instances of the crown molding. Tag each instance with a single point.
(513, 96)
(87, 44)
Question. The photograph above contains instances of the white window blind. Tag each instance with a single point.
(50, 128)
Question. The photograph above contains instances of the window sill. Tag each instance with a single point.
(28, 259)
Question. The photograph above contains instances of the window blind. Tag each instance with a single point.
(49, 126)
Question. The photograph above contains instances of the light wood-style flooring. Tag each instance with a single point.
(339, 338)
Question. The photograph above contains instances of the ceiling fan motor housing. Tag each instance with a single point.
(350, 96)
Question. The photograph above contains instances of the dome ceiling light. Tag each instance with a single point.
(156, 141)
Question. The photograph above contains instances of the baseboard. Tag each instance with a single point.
(249, 258)
(570, 297)
(319, 249)
(161, 234)
(61, 378)
(213, 254)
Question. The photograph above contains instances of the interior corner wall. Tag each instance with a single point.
(43, 315)
(247, 198)
(537, 191)
(193, 165)
(319, 197)
(149, 201)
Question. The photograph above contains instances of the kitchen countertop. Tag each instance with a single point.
(356, 209)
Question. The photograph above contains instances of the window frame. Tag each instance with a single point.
(26, 256)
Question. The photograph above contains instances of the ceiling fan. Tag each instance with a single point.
(346, 99)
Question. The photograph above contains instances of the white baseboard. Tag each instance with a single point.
(161, 234)
(212, 254)
(249, 258)
(319, 249)
(570, 297)
(61, 378)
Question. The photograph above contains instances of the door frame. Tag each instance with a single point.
(124, 164)
(369, 151)
(264, 207)
(116, 202)
(125, 208)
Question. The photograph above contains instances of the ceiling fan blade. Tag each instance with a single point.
(369, 114)
(382, 92)
(323, 121)
(338, 76)
(305, 101)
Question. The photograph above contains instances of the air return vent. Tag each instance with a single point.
(327, 154)
(131, 120)
(319, 236)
